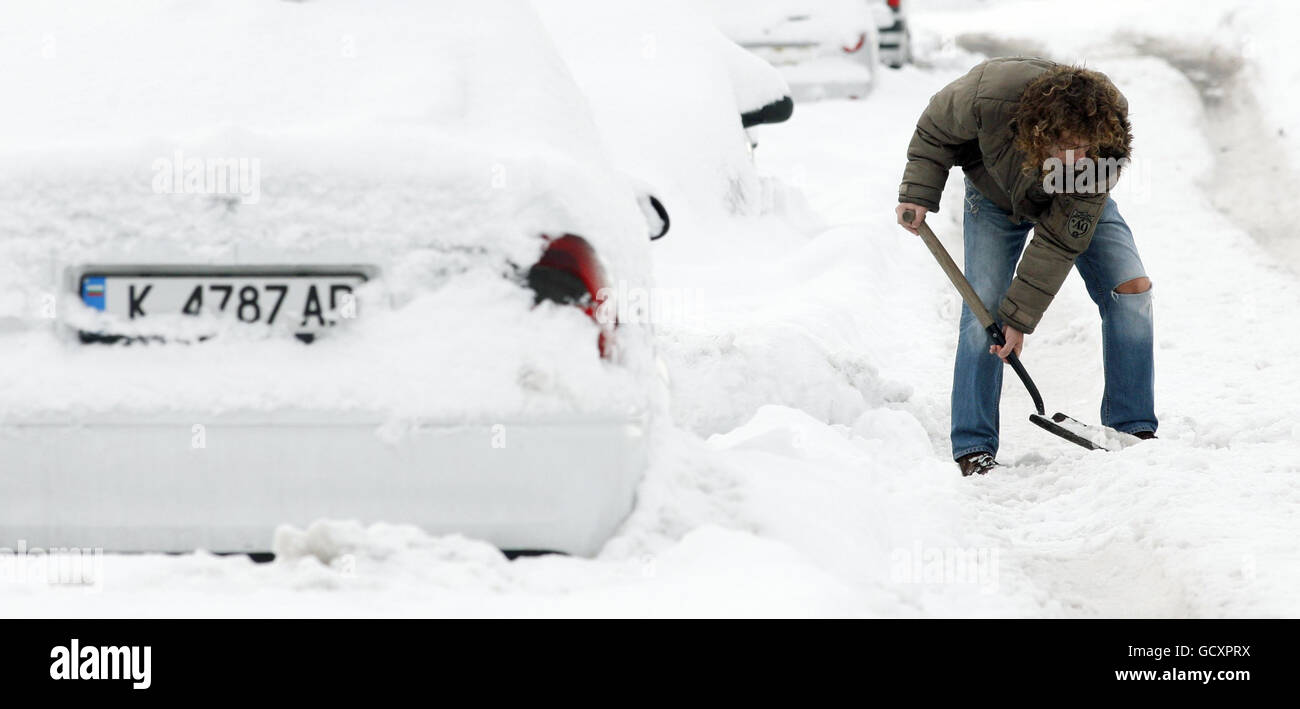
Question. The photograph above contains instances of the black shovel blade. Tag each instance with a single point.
(1079, 433)
(1059, 430)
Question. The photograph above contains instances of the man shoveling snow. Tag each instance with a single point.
(1040, 144)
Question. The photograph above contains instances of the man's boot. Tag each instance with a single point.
(977, 463)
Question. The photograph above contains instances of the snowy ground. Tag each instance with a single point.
(808, 470)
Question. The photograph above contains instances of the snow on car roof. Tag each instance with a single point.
(832, 22)
(89, 75)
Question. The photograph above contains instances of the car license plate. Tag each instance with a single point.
(293, 301)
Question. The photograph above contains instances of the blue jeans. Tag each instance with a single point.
(993, 245)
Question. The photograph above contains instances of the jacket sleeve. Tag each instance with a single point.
(1062, 233)
(948, 121)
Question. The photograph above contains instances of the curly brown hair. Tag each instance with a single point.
(1071, 102)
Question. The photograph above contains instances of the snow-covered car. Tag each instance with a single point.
(674, 99)
(824, 48)
(291, 261)
(895, 31)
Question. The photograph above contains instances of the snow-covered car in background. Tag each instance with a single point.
(824, 48)
(674, 99)
(895, 31)
(434, 212)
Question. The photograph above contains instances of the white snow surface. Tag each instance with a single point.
(807, 471)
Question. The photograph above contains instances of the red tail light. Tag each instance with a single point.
(893, 3)
(569, 272)
(862, 40)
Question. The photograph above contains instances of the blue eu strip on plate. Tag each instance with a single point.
(92, 292)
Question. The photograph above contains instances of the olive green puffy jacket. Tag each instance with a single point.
(968, 123)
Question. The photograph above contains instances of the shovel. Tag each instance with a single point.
(1072, 430)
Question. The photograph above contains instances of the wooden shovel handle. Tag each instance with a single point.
(973, 302)
(954, 273)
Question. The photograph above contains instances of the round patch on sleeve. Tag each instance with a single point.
(1079, 223)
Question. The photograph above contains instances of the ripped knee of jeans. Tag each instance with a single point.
(1141, 284)
(1131, 296)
